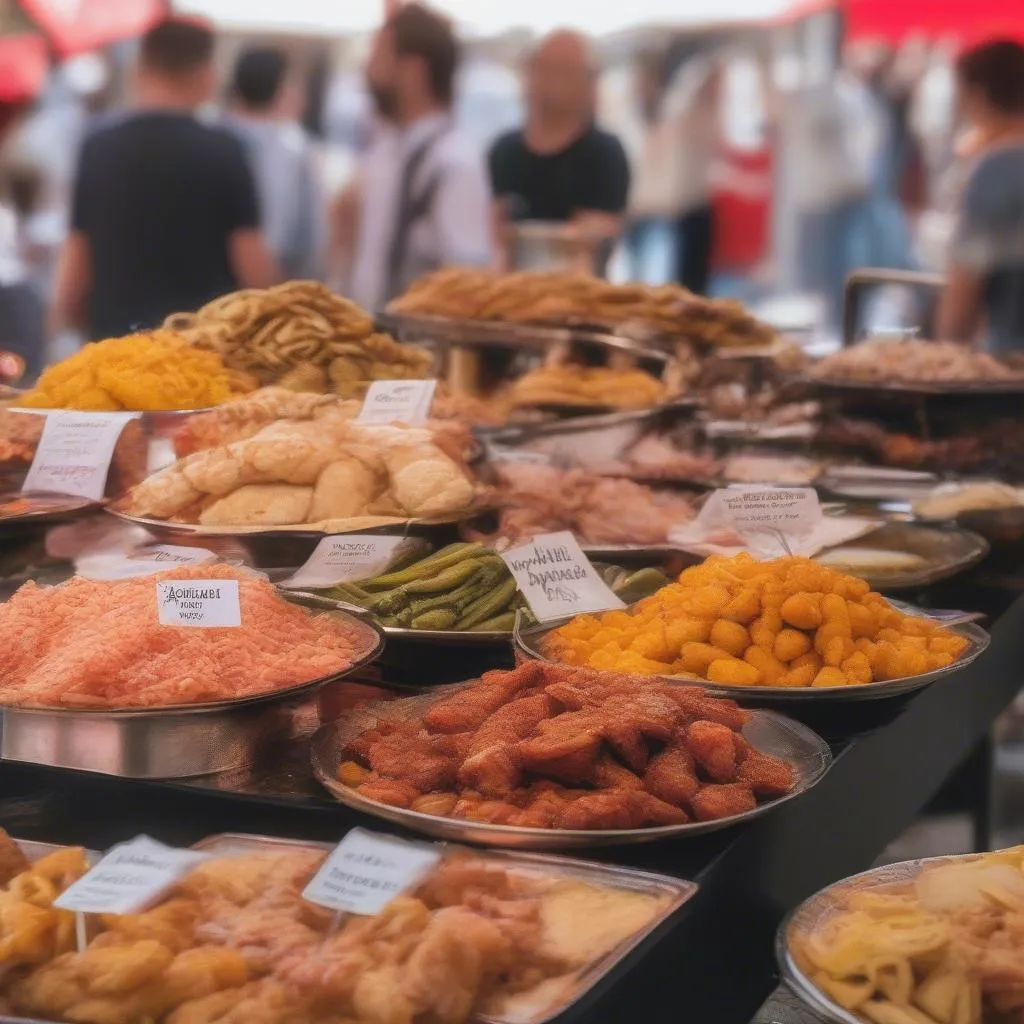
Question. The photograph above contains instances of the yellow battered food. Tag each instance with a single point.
(739, 622)
(139, 372)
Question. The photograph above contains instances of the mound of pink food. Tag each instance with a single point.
(88, 644)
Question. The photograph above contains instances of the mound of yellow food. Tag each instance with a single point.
(140, 372)
(740, 622)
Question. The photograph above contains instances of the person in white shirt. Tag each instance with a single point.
(424, 198)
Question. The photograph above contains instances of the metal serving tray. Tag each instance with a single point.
(673, 892)
(529, 642)
(169, 742)
(912, 388)
(816, 910)
(767, 731)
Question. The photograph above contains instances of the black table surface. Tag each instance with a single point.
(713, 961)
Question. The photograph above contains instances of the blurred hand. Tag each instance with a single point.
(11, 367)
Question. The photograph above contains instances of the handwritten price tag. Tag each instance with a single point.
(346, 558)
(206, 604)
(557, 579)
(789, 514)
(74, 453)
(401, 401)
(129, 879)
(366, 871)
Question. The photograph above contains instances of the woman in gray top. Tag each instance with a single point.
(984, 293)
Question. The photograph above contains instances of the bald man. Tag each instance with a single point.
(560, 166)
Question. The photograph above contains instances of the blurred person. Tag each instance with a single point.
(984, 294)
(292, 204)
(560, 166)
(420, 199)
(164, 211)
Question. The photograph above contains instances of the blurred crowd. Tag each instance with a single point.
(204, 182)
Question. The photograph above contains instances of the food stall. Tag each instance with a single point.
(296, 584)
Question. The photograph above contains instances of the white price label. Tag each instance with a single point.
(206, 604)
(790, 512)
(366, 871)
(346, 558)
(398, 401)
(74, 453)
(142, 562)
(557, 579)
(129, 879)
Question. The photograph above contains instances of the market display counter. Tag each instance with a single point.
(714, 960)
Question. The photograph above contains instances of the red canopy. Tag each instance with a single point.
(969, 21)
(77, 26)
(23, 67)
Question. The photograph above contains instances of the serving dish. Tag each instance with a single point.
(38, 507)
(175, 741)
(767, 731)
(529, 643)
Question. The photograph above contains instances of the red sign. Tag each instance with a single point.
(23, 67)
(77, 26)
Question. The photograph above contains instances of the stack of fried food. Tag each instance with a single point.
(317, 467)
(739, 622)
(944, 948)
(584, 386)
(550, 747)
(235, 943)
(301, 335)
(535, 498)
(913, 361)
(573, 298)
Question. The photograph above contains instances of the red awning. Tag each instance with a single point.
(23, 67)
(77, 26)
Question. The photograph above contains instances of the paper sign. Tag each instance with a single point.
(366, 871)
(206, 604)
(74, 453)
(557, 579)
(403, 401)
(346, 558)
(129, 879)
(500, 453)
(791, 511)
(141, 562)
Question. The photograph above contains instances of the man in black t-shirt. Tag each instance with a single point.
(560, 166)
(164, 212)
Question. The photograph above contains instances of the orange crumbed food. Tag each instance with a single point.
(95, 644)
(740, 622)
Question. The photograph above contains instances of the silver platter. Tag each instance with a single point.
(767, 731)
(908, 387)
(528, 642)
(168, 742)
(814, 912)
(51, 507)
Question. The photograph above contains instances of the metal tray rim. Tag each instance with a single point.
(908, 387)
(541, 838)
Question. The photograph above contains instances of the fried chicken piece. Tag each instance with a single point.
(628, 743)
(647, 809)
(712, 747)
(471, 707)
(567, 750)
(672, 776)
(711, 803)
(607, 810)
(542, 811)
(493, 763)
(462, 878)
(359, 748)
(12, 861)
(456, 745)
(489, 812)
(393, 792)
(571, 696)
(609, 774)
(769, 777)
(651, 713)
(412, 759)
(697, 705)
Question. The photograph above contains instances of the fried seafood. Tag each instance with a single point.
(913, 361)
(789, 622)
(946, 947)
(569, 297)
(235, 943)
(541, 499)
(587, 386)
(146, 372)
(549, 747)
(89, 644)
(302, 336)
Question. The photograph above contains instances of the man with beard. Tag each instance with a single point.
(424, 198)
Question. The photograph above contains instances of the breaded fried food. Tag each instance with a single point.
(12, 860)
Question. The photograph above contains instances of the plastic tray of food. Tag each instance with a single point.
(530, 641)
(821, 911)
(163, 742)
(808, 755)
